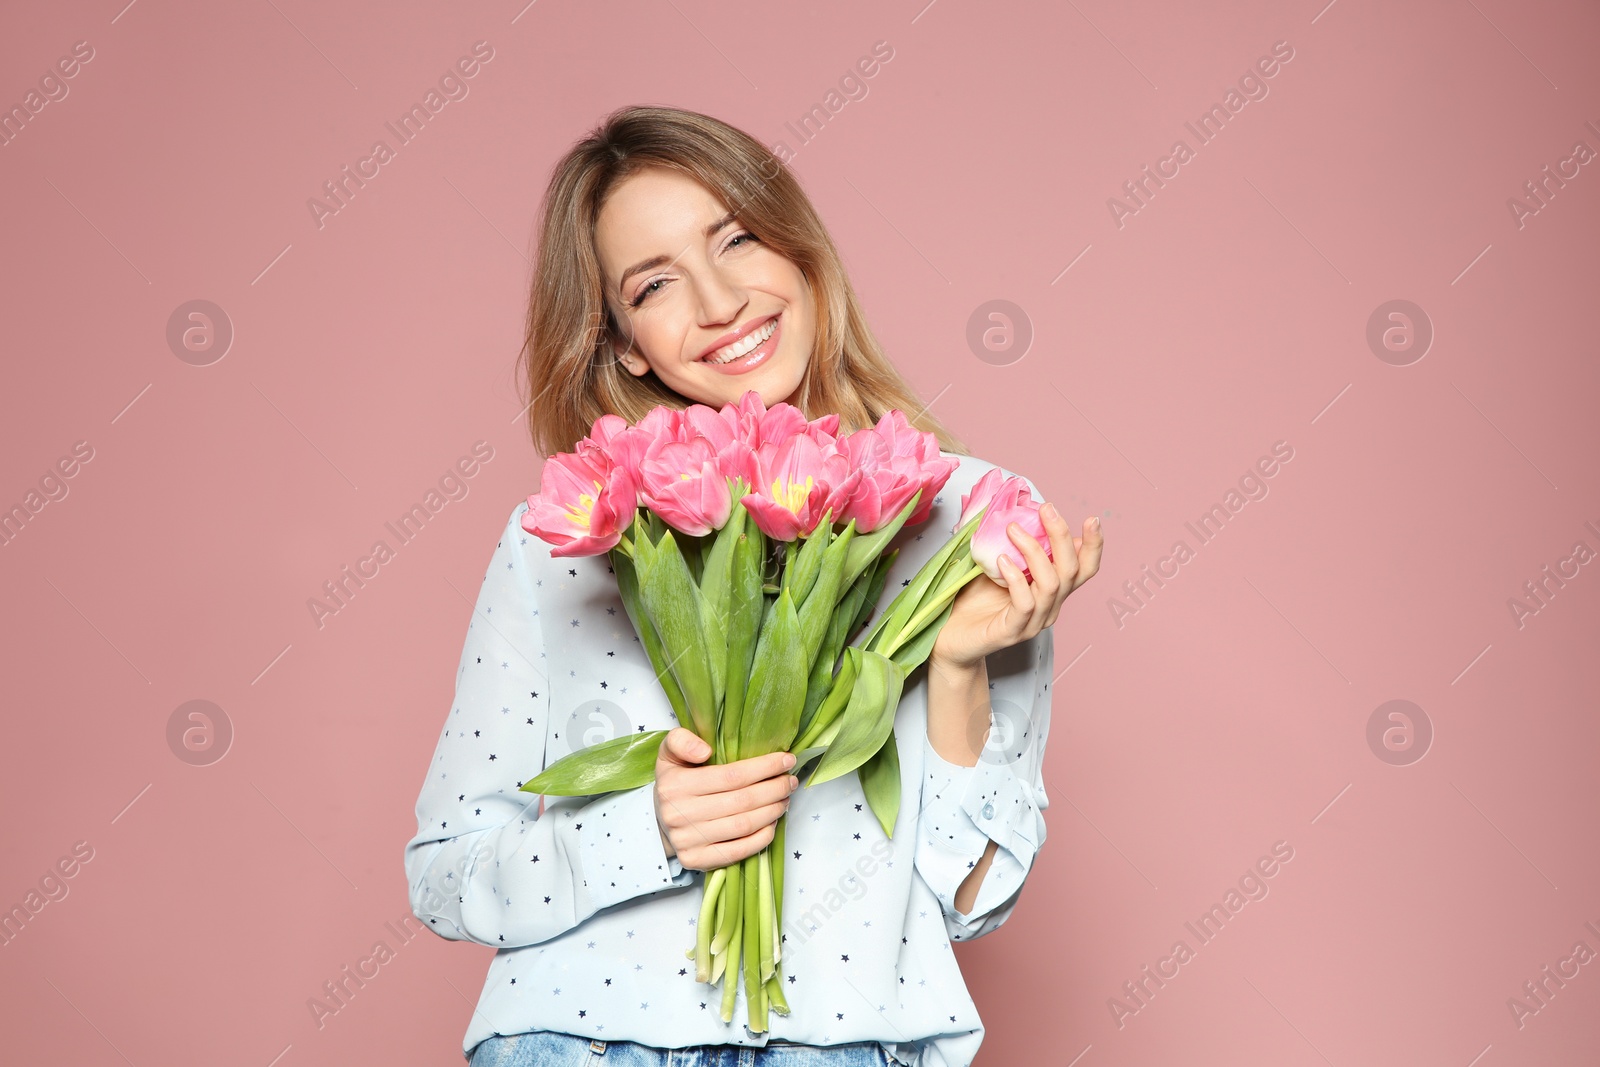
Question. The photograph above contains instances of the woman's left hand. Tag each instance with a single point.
(988, 616)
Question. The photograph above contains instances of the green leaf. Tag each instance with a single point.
(867, 720)
(693, 549)
(777, 684)
(628, 586)
(799, 577)
(625, 762)
(822, 601)
(905, 605)
(852, 610)
(880, 781)
(714, 584)
(869, 546)
(841, 623)
(878, 575)
(745, 606)
(716, 651)
(828, 710)
(805, 756)
(719, 565)
(911, 654)
(673, 603)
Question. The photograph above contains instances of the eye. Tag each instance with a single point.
(745, 236)
(646, 291)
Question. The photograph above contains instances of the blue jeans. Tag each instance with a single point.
(543, 1048)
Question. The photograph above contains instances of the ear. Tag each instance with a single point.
(633, 363)
(630, 359)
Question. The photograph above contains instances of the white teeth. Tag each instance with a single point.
(744, 346)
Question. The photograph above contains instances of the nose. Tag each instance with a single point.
(721, 298)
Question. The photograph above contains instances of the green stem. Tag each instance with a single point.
(708, 908)
(764, 869)
(774, 989)
(929, 610)
(730, 977)
(777, 890)
(752, 941)
(790, 550)
(819, 733)
(725, 932)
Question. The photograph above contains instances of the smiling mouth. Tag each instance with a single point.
(744, 345)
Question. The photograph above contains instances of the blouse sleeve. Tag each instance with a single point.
(486, 865)
(1001, 799)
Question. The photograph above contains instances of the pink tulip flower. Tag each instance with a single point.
(895, 461)
(794, 479)
(906, 442)
(584, 504)
(1009, 500)
(683, 483)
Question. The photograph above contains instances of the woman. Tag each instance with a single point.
(679, 262)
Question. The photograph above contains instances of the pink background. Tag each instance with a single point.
(1230, 312)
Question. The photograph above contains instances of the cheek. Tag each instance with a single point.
(657, 337)
(779, 276)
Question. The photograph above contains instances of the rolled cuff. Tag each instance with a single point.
(964, 808)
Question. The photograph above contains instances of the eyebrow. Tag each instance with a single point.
(658, 261)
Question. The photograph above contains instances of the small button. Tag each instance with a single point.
(988, 809)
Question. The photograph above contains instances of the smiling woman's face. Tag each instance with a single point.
(693, 287)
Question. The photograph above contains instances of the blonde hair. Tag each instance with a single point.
(568, 358)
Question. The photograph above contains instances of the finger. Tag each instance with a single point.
(1060, 534)
(684, 747)
(1041, 587)
(724, 853)
(1021, 592)
(684, 834)
(1089, 554)
(1046, 579)
(720, 805)
(745, 824)
(720, 777)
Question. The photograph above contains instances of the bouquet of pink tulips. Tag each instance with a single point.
(750, 546)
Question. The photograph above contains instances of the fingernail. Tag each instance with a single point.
(794, 781)
(788, 760)
(1096, 522)
(1049, 511)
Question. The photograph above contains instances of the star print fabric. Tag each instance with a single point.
(589, 916)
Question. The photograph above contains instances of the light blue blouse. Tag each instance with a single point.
(592, 919)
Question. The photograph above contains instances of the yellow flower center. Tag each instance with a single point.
(580, 514)
(792, 495)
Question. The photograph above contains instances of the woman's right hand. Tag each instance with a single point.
(714, 816)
